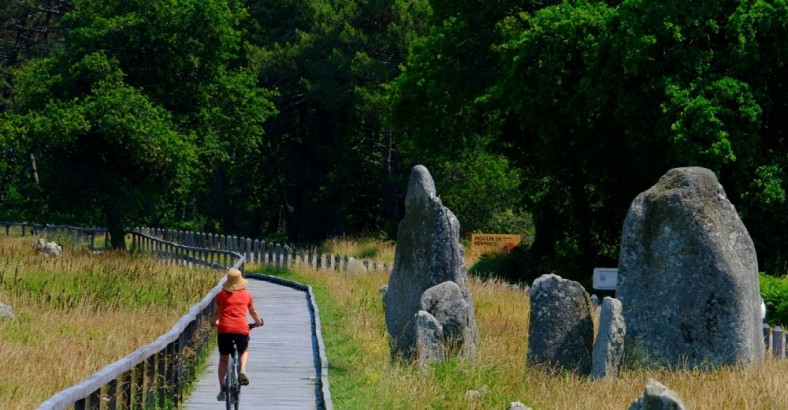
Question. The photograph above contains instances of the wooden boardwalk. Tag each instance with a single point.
(282, 356)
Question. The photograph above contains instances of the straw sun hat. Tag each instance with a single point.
(235, 281)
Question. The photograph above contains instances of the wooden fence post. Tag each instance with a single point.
(315, 257)
(124, 393)
(778, 349)
(150, 382)
(161, 370)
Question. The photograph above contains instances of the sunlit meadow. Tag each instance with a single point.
(362, 376)
(77, 313)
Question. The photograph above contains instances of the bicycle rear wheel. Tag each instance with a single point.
(231, 383)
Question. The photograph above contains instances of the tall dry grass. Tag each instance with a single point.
(80, 312)
(361, 248)
(362, 375)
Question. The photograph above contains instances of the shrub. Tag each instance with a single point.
(774, 291)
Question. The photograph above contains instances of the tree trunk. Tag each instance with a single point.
(543, 248)
(117, 232)
(224, 203)
(34, 167)
(585, 241)
(390, 170)
(117, 236)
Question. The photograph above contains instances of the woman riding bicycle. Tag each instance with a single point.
(229, 316)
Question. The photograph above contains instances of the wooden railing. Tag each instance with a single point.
(154, 375)
(261, 252)
(774, 338)
(173, 252)
(86, 236)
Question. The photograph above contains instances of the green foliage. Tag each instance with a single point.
(441, 105)
(170, 48)
(232, 114)
(29, 29)
(707, 116)
(774, 291)
(138, 96)
(111, 145)
(482, 190)
(331, 62)
(501, 266)
(303, 118)
(571, 160)
(592, 102)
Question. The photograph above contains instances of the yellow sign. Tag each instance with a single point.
(482, 243)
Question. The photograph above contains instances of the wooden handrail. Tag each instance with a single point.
(160, 363)
(262, 252)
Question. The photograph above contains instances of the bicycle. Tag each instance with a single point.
(232, 379)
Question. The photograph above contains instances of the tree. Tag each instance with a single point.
(592, 101)
(331, 62)
(618, 95)
(105, 155)
(28, 29)
(232, 115)
(138, 94)
(556, 85)
(441, 106)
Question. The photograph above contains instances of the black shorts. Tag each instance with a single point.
(225, 341)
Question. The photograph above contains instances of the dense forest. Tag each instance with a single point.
(301, 119)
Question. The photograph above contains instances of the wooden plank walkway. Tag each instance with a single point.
(282, 359)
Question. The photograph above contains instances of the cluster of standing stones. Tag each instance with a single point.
(429, 310)
(687, 295)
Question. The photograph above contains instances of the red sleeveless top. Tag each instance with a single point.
(235, 306)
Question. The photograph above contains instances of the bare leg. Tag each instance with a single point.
(244, 359)
(223, 368)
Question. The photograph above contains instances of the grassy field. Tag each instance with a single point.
(77, 313)
(361, 375)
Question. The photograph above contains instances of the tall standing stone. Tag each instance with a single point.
(609, 343)
(688, 276)
(560, 330)
(428, 253)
